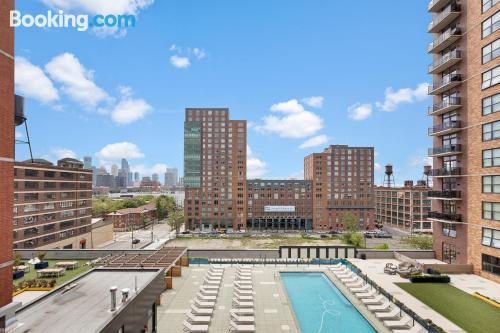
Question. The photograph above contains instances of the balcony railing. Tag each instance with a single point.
(444, 62)
(445, 150)
(445, 172)
(448, 82)
(441, 20)
(446, 105)
(444, 40)
(446, 127)
(445, 194)
(451, 217)
(437, 5)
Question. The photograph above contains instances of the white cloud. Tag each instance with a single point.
(180, 62)
(60, 153)
(314, 101)
(420, 161)
(404, 95)
(314, 141)
(119, 150)
(32, 82)
(130, 110)
(77, 82)
(256, 168)
(296, 175)
(295, 123)
(359, 111)
(146, 170)
(197, 52)
(100, 6)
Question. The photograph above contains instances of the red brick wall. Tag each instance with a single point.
(6, 150)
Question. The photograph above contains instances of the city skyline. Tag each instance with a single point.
(126, 118)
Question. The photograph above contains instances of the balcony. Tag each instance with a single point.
(435, 6)
(445, 172)
(445, 128)
(441, 20)
(445, 195)
(444, 106)
(448, 82)
(445, 150)
(445, 217)
(446, 61)
(444, 40)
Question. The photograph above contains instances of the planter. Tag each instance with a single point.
(42, 265)
(17, 274)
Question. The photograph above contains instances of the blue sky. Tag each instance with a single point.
(110, 94)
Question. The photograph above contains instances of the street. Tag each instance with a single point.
(123, 239)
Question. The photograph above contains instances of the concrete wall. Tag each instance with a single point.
(233, 253)
(102, 233)
(75, 254)
(389, 254)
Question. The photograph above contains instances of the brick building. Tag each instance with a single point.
(128, 218)
(466, 132)
(342, 182)
(6, 152)
(405, 207)
(52, 204)
(279, 204)
(214, 169)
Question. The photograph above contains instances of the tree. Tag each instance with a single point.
(164, 206)
(145, 220)
(350, 222)
(176, 220)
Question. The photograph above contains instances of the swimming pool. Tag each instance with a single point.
(320, 307)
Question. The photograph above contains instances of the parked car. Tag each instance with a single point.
(136, 241)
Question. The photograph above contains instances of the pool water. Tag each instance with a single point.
(320, 307)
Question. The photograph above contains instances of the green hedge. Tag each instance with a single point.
(430, 278)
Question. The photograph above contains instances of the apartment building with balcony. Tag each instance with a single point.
(466, 127)
(342, 182)
(280, 205)
(404, 207)
(52, 204)
(214, 170)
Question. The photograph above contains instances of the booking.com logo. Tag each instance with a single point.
(62, 20)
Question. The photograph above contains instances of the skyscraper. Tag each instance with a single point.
(171, 177)
(465, 70)
(155, 177)
(137, 177)
(87, 162)
(114, 170)
(125, 171)
(214, 169)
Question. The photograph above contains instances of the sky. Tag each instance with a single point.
(304, 74)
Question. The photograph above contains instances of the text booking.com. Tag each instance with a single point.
(61, 20)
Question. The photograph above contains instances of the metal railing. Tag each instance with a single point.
(443, 37)
(452, 217)
(445, 149)
(453, 124)
(447, 194)
(456, 171)
(452, 8)
(445, 81)
(452, 101)
(456, 54)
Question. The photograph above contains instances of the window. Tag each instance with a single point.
(491, 211)
(491, 78)
(491, 237)
(491, 131)
(449, 230)
(30, 173)
(491, 24)
(490, 264)
(491, 184)
(491, 157)
(491, 104)
(487, 4)
(491, 51)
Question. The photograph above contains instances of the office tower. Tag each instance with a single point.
(214, 169)
(155, 177)
(171, 177)
(114, 170)
(52, 204)
(130, 178)
(6, 151)
(137, 177)
(125, 170)
(342, 179)
(404, 207)
(87, 162)
(465, 71)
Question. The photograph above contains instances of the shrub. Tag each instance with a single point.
(383, 246)
(419, 242)
(356, 239)
(430, 278)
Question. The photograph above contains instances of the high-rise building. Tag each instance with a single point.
(155, 177)
(171, 177)
(465, 70)
(6, 152)
(214, 169)
(404, 207)
(125, 171)
(114, 170)
(137, 176)
(87, 162)
(342, 180)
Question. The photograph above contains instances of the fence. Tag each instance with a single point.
(317, 252)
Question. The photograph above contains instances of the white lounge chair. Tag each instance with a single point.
(241, 277)
(393, 314)
(215, 274)
(200, 311)
(243, 282)
(242, 319)
(206, 298)
(202, 304)
(243, 286)
(243, 311)
(193, 319)
(211, 282)
(373, 301)
(402, 323)
(241, 328)
(243, 297)
(213, 277)
(344, 274)
(243, 292)
(356, 284)
(244, 273)
(370, 294)
(239, 304)
(210, 286)
(337, 265)
(208, 292)
(194, 328)
(362, 289)
(414, 329)
(351, 279)
(384, 307)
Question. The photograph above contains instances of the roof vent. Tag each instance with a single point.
(112, 290)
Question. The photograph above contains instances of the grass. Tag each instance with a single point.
(70, 274)
(465, 310)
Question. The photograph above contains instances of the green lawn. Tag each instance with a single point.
(465, 310)
(60, 280)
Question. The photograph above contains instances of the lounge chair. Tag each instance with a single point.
(243, 286)
(241, 328)
(206, 298)
(244, 273)
(210, 286)
(384, 307)
(194, 328)
(373, 301)
(243, 282)
(243, 311)
(202, 304)
(351, 279)
(390, 268)
(215, 274)
(242, 319)
(242, 277)
(355, 284)
(243, 297)
(193, 319)
(335, 266)
(211, 282)
(393, 314)
(398, 324)
(362, 289)
(345, 275)
(213, 277)
(200, 311)
(370, 294)
(414, 329)
(239, 304)
(243, 292)
(208, 292)
(342, 268)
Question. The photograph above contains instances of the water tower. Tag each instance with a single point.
(19, 119)
(388, 176)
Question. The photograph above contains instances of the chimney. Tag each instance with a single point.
(112, 290)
